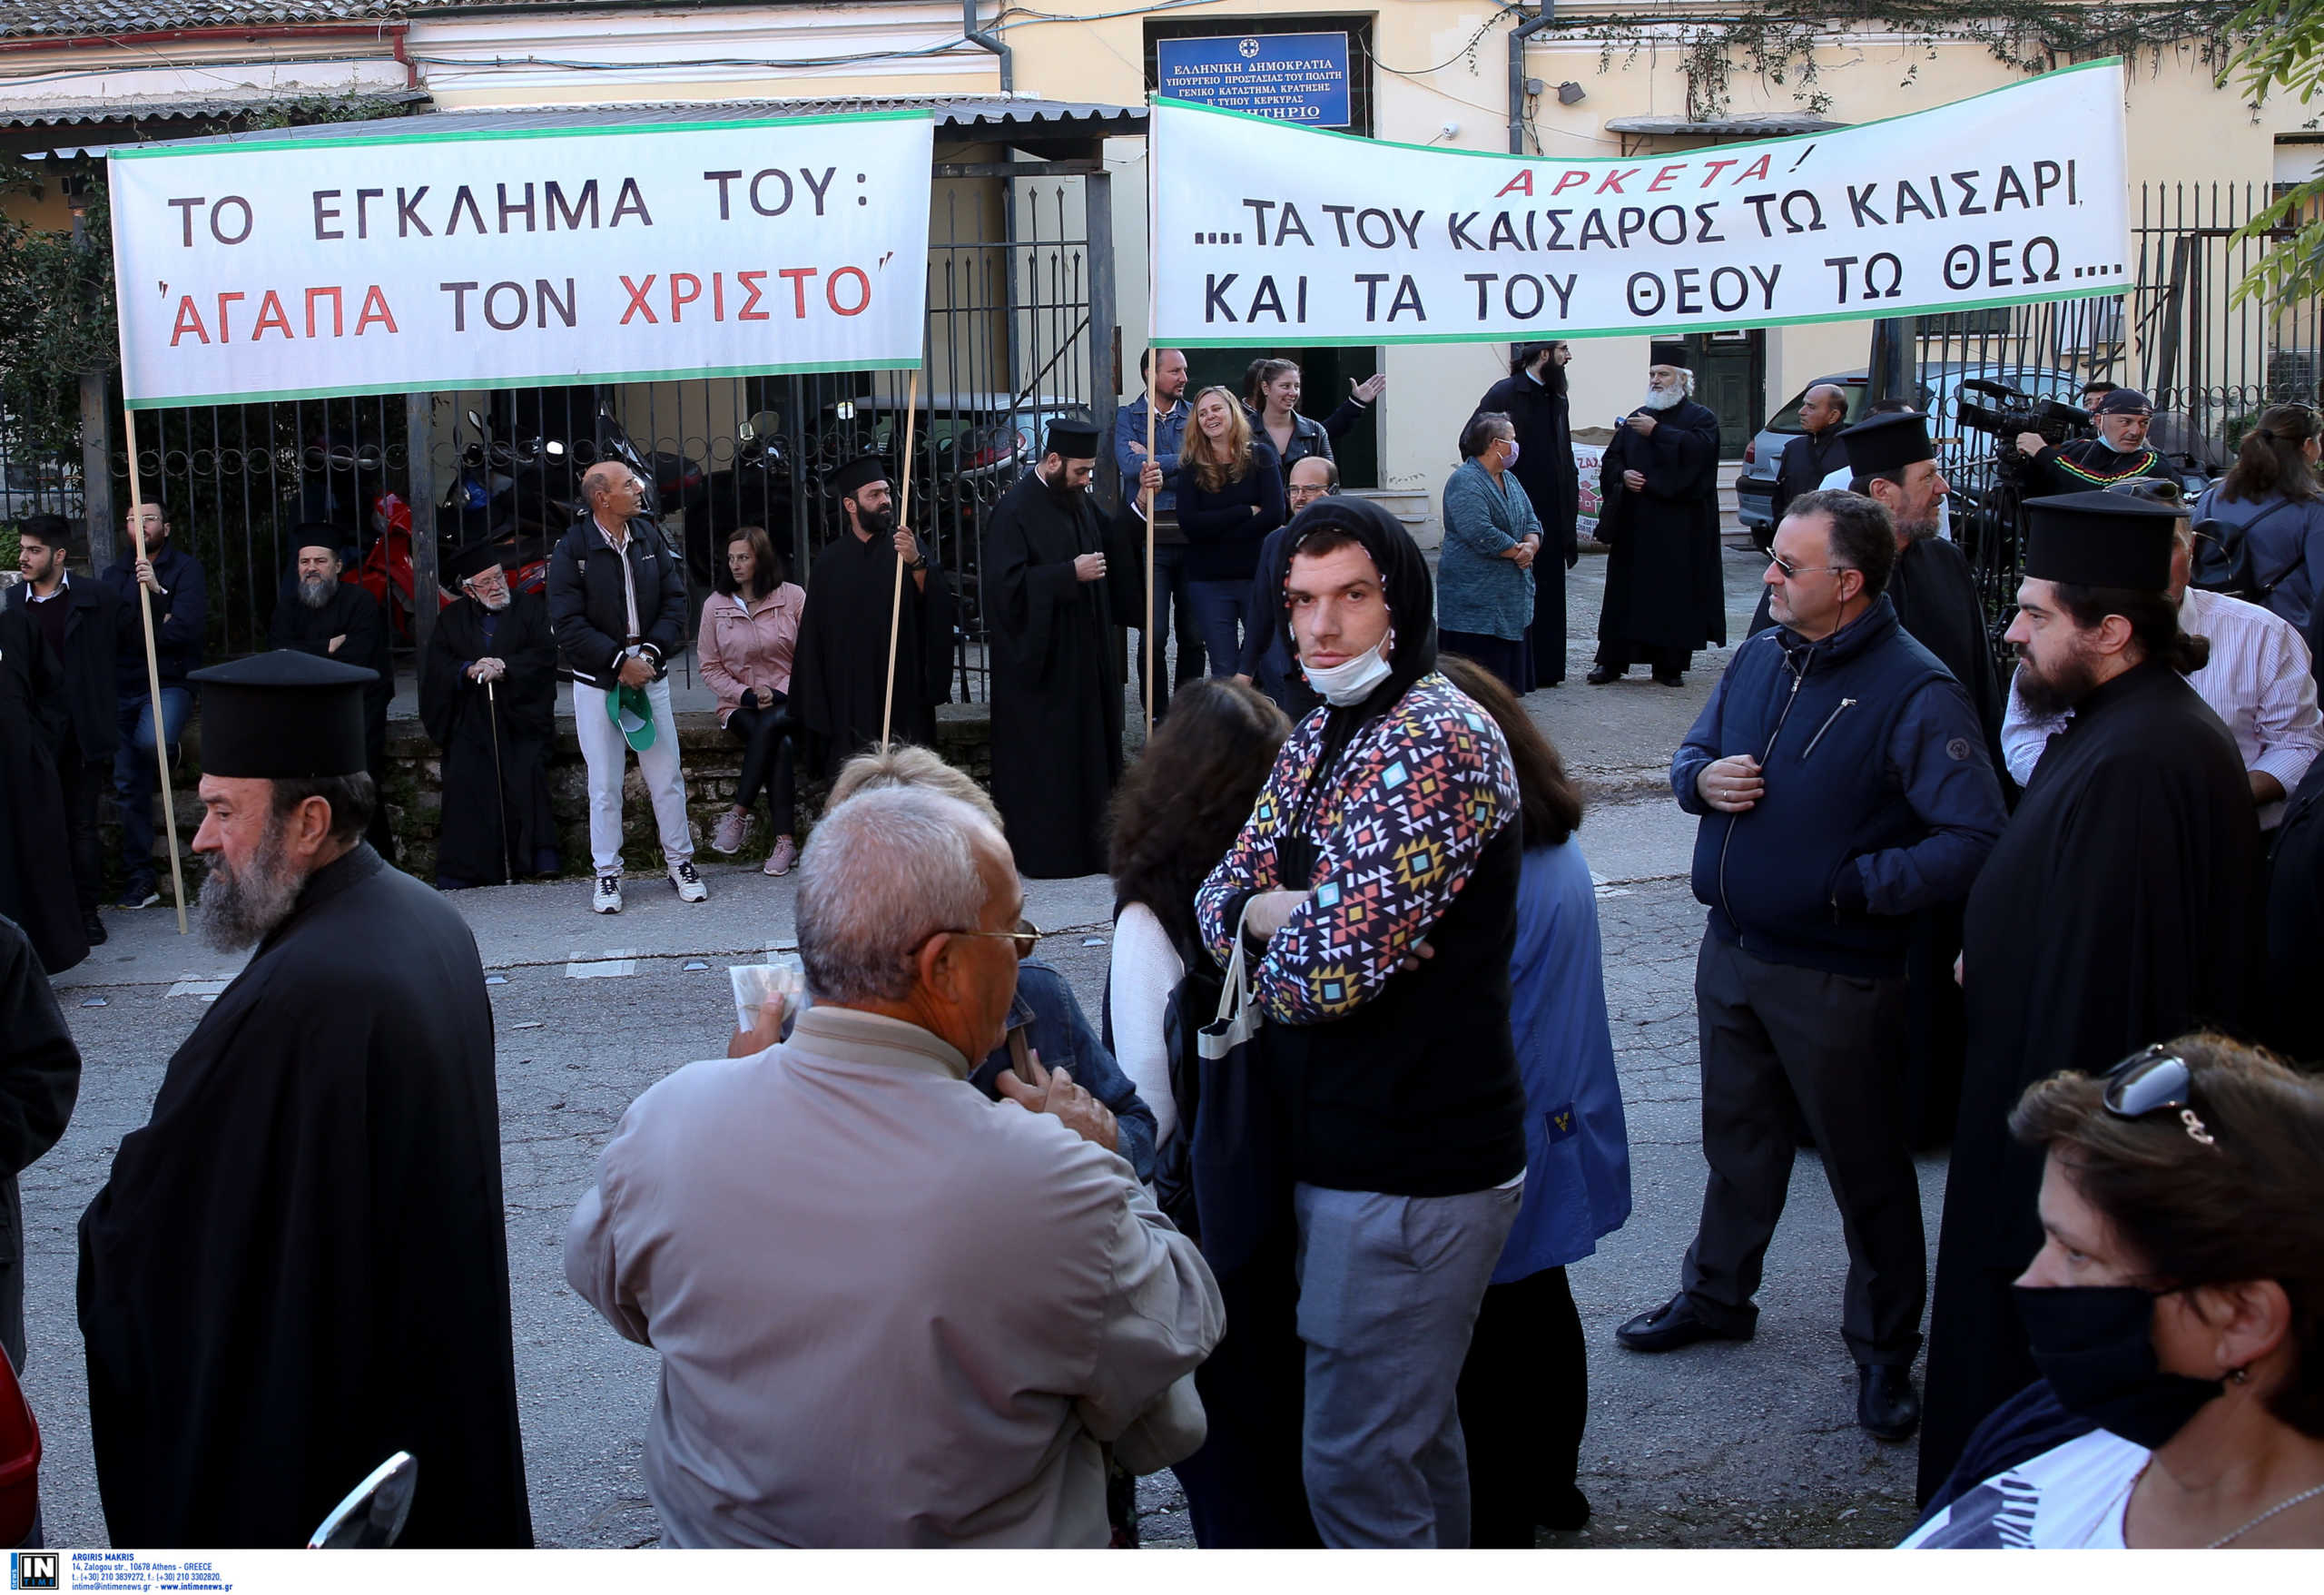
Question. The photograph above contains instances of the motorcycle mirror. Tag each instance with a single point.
(374, 1512)
(765, 423)
(476, 420)
(844, 409)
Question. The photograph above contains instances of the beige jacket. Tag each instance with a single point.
(890, 1313)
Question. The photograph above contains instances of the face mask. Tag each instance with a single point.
(1352, 681)
(1512, 460)
(2096, 1345)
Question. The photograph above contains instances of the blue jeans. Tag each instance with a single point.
(1173, 612)
(134, 780)
(1222, 613)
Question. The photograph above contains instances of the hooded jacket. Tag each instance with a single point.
(1398, 816)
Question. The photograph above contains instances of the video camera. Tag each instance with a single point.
(2017, 411)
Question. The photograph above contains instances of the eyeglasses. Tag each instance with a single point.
(1794, 572)
(1026, 936)
(2156, 1081)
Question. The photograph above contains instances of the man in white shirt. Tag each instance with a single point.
(890, 1312)
(2258, 681)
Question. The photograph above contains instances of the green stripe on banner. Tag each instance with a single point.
(456, 136)
(482, 384)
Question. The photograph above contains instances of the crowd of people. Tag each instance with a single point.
(1294, 1217)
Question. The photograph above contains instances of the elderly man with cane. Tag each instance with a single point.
(487, 696)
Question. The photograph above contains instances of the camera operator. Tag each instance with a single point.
(2118, 454)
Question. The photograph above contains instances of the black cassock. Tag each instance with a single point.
(1552, 484)
(484, 802)
(1663, 581)
(36, 867)
(2293, 1013)
(1937, 601)
(353, 614)
(839, 664)
(298, 1266)
(2118, 910)
(1056, 685)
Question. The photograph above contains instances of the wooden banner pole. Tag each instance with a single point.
(153, 668)
(1152, 371)
(896, 603)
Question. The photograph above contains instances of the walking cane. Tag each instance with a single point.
(499, 781)
(896, 603)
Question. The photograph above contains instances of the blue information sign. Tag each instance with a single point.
(1291, 77)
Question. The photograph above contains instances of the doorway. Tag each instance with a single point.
(1732, 379)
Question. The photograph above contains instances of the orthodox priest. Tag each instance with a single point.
(1936, 596)
(2118, 911)
(1057, 686)
(487, 696)
(1659, 497)
(320, 615)
(298, 1266)
(840, 667)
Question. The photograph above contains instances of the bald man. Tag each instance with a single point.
(616, 600)
(1812, 455)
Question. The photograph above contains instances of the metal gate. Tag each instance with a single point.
(2209, 365)
(1019, 329)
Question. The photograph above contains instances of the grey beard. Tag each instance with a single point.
(239, 909)
(316, 594)
(1919, 531)
(1664, 399)
(495, 608)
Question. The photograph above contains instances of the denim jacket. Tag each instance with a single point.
(1055, 1028)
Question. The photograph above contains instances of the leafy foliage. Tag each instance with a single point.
(2284, 50)
(57, 321)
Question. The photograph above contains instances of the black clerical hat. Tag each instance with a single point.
(857, 475)
(1887, 444)
(2100, 540)
(283, 716)
(473, 559)
(1071, 438)
(1667, 351)
(316, 533)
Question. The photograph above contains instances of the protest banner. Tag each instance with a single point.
(420, 256)
(1267, 231)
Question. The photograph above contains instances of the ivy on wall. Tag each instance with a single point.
(1777, 42)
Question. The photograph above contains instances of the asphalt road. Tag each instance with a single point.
(1723, 1444)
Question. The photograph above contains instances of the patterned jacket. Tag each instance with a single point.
(1396, 830)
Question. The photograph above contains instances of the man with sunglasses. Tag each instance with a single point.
(1843, 788)
(2120, 907)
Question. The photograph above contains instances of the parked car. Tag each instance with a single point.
(1964, 455)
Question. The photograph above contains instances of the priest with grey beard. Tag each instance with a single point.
(321, 614)
(1659, 514)
(298, 1267)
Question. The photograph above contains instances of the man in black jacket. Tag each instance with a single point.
(617, 602)
(178, 595)
(79, 623)
(1812, 455)
(334, 619)
(40, 1079)
(2118, 454)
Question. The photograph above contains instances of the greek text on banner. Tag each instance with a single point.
(1264, 230)
(426, 258)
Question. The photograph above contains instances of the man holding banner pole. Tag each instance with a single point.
(150, 684)
(1160, 410)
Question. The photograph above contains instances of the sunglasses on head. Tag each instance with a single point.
(2155, 1081)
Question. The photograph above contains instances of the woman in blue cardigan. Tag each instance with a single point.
(1524, 1391)
(1484, 575)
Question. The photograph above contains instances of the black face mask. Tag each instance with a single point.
(2096, 1345)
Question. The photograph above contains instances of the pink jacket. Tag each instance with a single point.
(740, 648)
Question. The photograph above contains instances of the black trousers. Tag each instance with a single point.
(1618, 655)
(1780, 1039)
(1524, 1398)
(769, 760)
(82, 782)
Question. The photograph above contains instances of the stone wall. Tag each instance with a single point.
(709, 758)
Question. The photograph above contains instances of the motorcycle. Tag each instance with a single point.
(755, 491)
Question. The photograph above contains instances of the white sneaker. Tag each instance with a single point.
(608, 898)
(689, 884)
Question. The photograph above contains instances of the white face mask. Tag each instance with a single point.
(1352, 681)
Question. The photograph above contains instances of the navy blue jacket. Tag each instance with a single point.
(1055, 1028)
(179, 615)
(1879, 801)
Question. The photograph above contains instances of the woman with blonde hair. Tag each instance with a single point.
(1230, 497)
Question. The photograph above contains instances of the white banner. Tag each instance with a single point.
(1270, 233)
(430, 258)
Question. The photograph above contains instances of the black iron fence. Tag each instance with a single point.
(2208, 363)
(1019, 331)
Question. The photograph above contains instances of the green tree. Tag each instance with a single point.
(2283, 50)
